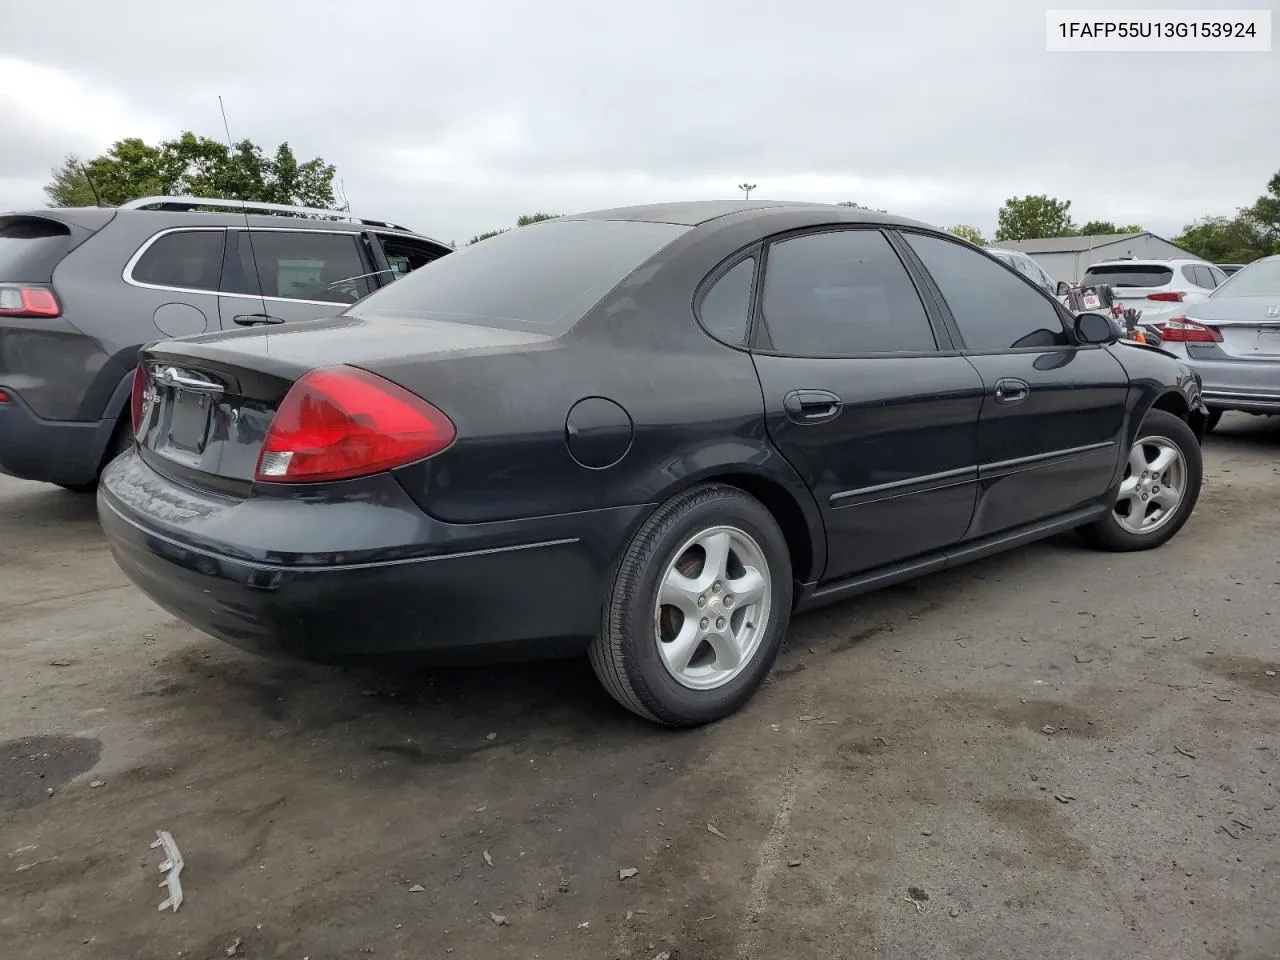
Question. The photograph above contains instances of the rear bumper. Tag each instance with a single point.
(50, 451)
(1250, 386)
(514, 589)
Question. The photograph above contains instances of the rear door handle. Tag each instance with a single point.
(251, 319)
(812, 406)
(1012, 390)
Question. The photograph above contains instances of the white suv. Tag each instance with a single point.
(1159, 288)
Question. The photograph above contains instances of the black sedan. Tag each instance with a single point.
(648, 434)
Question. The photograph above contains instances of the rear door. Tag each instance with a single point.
(865, 397)
(1049, 436)
(280, 275)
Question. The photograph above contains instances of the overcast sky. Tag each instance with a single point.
(456, 118)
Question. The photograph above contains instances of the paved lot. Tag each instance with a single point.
(310, 804)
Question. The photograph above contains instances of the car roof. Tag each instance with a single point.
(694, 213)
(97, 217)
(1146, 262)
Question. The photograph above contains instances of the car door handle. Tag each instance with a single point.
(251, 319)
(812, 406)
(1010, 390)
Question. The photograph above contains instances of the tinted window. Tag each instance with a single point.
(405, 256)
(994, 310)
(1217, 275)
(726, 308)
(547, 274)
(1129, 275)
(189, 259)
(30, 249)
(1259, 279)
(842, 294)
(1199, 276)
(298, 265)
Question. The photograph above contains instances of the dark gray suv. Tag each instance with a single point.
(81, 289)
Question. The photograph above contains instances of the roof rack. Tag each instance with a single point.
(192, 203)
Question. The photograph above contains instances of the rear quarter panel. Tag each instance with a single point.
(694, 406)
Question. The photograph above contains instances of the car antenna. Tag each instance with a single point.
(248, 233)
(97, 197)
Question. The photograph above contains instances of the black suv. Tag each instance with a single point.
(81, 289)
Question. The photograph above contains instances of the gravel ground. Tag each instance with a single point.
(1055, 753)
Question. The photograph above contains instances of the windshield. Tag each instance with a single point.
(1259, 279)
(1129, 275)
(546, 275)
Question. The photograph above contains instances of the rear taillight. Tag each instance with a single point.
(138, 396)
(1170, 296)
(343, 422)
(1182, 330)
(20, 300)
(4, 397)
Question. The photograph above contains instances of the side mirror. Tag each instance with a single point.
(1063, 288)
(1096, 328)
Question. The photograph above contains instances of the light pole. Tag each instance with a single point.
(746, 189)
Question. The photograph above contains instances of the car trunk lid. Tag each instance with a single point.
(206, 403)
(1250, 326)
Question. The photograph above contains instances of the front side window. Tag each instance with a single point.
(994, 311)
(186, 259)
(843, 293)
(303, 265)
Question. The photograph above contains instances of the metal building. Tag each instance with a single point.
(1067, 258)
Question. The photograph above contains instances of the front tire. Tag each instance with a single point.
(1159, 488)
(698, 610)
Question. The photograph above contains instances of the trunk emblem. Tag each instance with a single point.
(1273, 311)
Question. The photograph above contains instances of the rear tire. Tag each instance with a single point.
(1215, 417)
(1158, 491)
(698, 609)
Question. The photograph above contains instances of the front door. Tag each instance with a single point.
(1051, 430)
(880, 423)
(282, 275)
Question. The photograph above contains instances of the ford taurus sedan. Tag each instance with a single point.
(648, 434)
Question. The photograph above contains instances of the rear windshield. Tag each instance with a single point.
(1129, 275)
(1261, 279)
(30, 248)
(546, 275)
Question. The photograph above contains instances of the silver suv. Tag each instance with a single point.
(1159, 288)
(82, 289)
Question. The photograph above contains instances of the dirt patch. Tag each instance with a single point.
(31, 767)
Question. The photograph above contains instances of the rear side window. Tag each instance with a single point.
(726, 308)
(994, 310)
(843, 293)
(186, 259)
(303, 265)
(405, 256)
(30, 248)
(1199, 276)
(1129, 275)
(545, 276)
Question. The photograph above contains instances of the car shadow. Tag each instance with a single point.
(1245, 432)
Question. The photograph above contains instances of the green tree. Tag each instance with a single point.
(191, 166)
(523, 221)
(1097, 228)
(1264, 214)
(1034, 217)
(972, 234)
(1237, 239)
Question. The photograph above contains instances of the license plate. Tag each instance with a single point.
(1268, 342)
(189, 424)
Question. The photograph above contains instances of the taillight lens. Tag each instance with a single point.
(342, 422)
(1169, 296)
(136, 398)
(20, 300)
(1182, 330)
